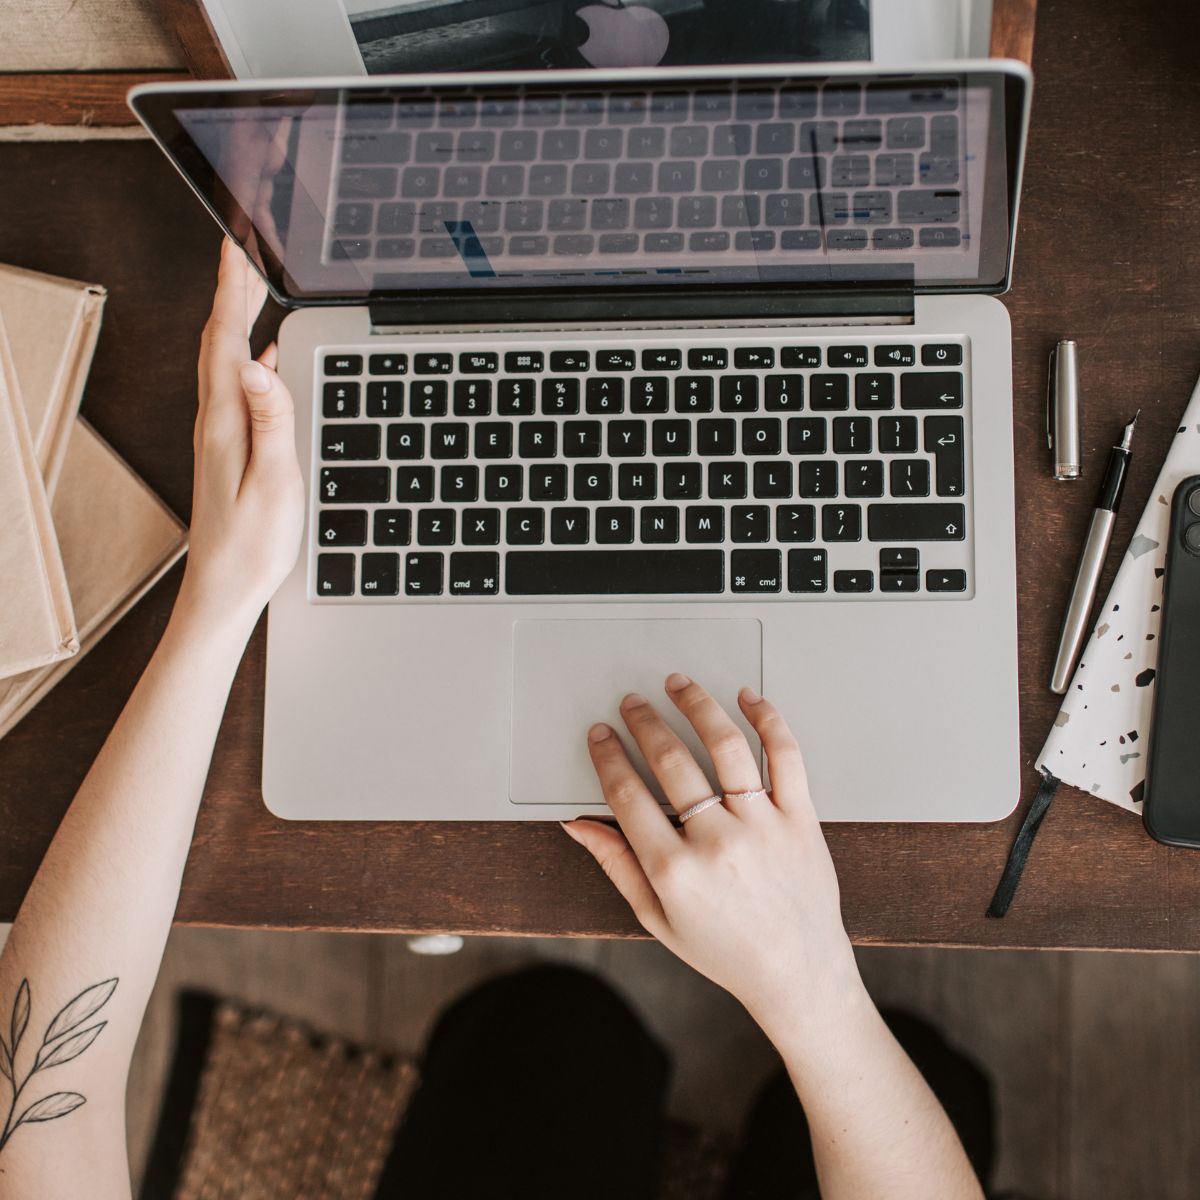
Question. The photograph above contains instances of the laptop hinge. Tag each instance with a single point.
(634, 306)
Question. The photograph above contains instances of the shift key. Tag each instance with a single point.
(355, 485)
(944, 440)
(916, 522)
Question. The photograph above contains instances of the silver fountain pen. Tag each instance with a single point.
(1091, 562)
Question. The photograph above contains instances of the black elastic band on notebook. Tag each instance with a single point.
(1006, 889)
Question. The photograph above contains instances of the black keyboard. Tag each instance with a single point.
(694, 466)
(764, 173)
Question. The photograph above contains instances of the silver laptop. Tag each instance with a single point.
(599, 377)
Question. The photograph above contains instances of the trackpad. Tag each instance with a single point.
(568, 674)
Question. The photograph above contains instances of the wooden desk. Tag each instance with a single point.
(1109, 253)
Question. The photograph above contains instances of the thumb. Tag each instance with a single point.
(607, 845)
(272, 414)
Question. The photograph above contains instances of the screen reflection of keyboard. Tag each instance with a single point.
(593, 178)
(672, 468)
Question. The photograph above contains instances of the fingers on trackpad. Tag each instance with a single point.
(568, 674)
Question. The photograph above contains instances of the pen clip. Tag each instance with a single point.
(1051, 380)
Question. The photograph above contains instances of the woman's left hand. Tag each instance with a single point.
(248, 495)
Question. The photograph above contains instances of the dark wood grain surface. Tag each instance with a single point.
(1109, 253)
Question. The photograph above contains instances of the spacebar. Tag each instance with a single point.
(613, 572)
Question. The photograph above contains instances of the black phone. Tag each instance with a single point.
(1171, 812)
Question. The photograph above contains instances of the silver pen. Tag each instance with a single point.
(1062, 411)
(1091, 562)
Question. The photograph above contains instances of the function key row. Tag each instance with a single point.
(746, 358)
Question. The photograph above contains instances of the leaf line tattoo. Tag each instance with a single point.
(63, 1041)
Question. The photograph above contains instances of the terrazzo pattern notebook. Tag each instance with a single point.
(1099, 739)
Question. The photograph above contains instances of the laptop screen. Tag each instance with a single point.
(734, 178)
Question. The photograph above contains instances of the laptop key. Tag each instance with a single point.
(772, 480)
(449, 440)
(570, 360)
(682, 481)
(847, 356)
(385, 398)
(502, 483)
(762, 436)
(592, 482)
(616, 360)
(392, 527)
(853, 581)
(648, 394)
(414, 484)
(472, 397)
(841, 523)
(727, 481)
(898, 435)
(829, 392)
(739, 393)
(523, 360)
(568, 526)
(852, 435)
(548, 483)
(614, 525)
(693, 393)
(807, 571)
(582, 439)
(705, 523)
(516, 397)
(560, 396)
(916, 522)
(604, 395)
(756, 571)
(899, 581)
(349, 441)
(537, 439)
(459, 484)
(800, 356)
(660, 359)
(474, 574)
(525, 526)
(795, 523)
(406, 440)
(355, 485)
(423, 574)
(806, 435)
(874, 391)
(428, 398)
(433, 364)
(493, 439)
(785, 393)
(707, 359)
(380, 574)
(343, 364)
(671, 438)
(944, 440)
(335, 574)
(750, 523)
(716, 435)
(388, 364)
(481, 527)
(614, 572)
(659, 524)
(864, 477)
(910, 477)
(435, 527)
(946, 581)
(626, 439)
(937, 354)
(931, 389)
(340, 400)
(342, 527)
(637, 481)
(818, 479)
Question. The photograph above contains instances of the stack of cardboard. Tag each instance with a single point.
(82, 538)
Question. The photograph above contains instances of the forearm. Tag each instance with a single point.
(100, 906)
(876, 1127)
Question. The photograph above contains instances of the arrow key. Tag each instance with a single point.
(853, 581)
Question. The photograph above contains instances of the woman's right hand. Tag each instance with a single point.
(745, 891)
